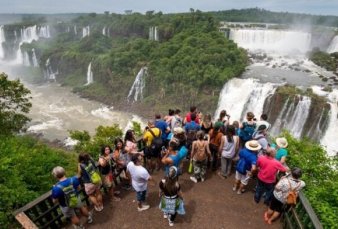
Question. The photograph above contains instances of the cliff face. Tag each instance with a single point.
(303, 113)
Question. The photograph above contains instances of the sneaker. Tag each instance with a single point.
(117, 192)
(193, 179)
(239, 192)
(234, 188)
(202, 179)
(171, 223)
(165, 216)
(144, 207)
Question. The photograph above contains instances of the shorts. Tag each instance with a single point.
(276, 205)
(141, 196)
(70, 212)
(108, 180)
(91, 188)
(243, 178)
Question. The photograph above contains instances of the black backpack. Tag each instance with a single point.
(157, 142)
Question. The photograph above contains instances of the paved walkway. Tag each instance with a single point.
(211, 204)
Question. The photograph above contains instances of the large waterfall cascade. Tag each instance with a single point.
(2, 39)
(85, 31)
(90, 79)
(44, 31)
(136, 90)
(240, 96)
(333, 47)
(280, 41)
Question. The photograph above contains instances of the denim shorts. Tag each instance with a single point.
(141, 196)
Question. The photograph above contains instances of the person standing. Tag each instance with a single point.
(199, 155)
(87, 170)
(215, 138)
(280, 194)
(171, 196)
(229, 147)
(139, 180)
(268, 169)
(65, 192)
(153, 138)
(246, 165)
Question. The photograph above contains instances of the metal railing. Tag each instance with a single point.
(301, 216)
(43, 212)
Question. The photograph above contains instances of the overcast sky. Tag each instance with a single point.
(323, 7)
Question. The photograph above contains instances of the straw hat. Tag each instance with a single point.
(178, 130)
(282, 142)
(253, 145)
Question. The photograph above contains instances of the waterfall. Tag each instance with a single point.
(331, 135)
(28, 35)
(25, 59)
(34, 59)
(2, 39)
(239, 96)
(104, 31)
(297, 120)
(153, 33)
(75, 30)
(44, 31)
(49, 73)
(89, 74)
(136, 90)
(85, 31)
(279, 41)
(333, 47)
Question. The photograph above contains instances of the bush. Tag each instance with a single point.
(320, 175)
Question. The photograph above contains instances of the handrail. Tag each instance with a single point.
(301, 216)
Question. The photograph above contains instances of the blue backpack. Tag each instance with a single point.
(241, 166)
(247, 131)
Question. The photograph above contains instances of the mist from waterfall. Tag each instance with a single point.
(90, 79)
(136, 90)
(34, 59)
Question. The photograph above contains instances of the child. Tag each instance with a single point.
(171, 196)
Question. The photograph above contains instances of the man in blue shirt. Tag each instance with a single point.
(72, 184)
(246, 165)
(163, 126)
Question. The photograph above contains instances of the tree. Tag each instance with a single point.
(14, 105)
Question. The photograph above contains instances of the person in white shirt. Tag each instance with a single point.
(139, 180)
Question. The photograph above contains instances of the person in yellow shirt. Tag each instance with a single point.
(153, 141)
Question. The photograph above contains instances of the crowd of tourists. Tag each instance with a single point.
(223, 147)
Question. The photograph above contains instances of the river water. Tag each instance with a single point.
(56, 110)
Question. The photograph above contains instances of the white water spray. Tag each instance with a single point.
(136, 90)
(239, 96)
(34, 59)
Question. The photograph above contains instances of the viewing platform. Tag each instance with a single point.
(208, 204)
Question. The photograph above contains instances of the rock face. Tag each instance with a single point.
(302, 113)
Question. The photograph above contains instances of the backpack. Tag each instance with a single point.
(92, 172)
(247, 131)
(157, 142)
(292, 196)
(70, 195)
